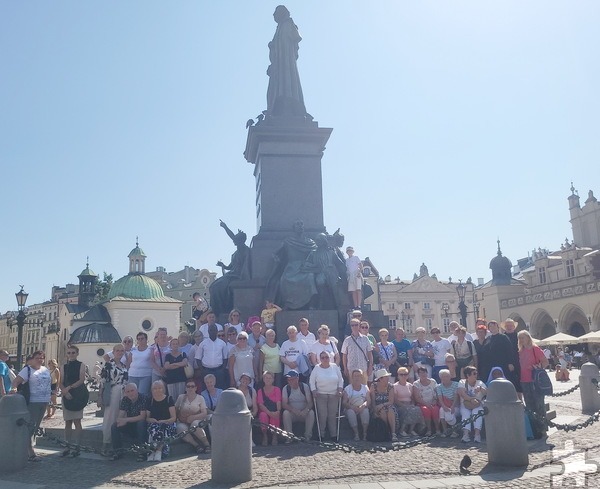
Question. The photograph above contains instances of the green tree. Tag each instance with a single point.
(103, 287)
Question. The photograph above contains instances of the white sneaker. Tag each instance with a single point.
(466, 439)
(158, 455)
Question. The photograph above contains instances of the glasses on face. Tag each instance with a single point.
(364, 327)
(242, 338)
(128, 341)
(221, 335)
(190, 386)
(403, 375)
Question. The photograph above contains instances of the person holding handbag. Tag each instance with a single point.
(471, 391)
(36, 381)
(357, 353)
(530, 358)
(75, 397)
(464, 351)
(387, 352)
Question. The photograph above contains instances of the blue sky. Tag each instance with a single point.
(454, 123)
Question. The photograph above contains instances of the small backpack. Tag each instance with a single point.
(541, 380)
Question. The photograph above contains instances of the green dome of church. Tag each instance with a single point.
(136, 286)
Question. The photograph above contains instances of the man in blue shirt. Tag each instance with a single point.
(5, 381)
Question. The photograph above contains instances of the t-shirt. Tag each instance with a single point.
(133, 408)
(268, 315)
(471, 390)
(448, 392)
(440, 348)
(428, 392)
(402, 347)
(352, 265)
(528, 357)
(159, 410)
(317, 347)
(296, 399)
(272, 361)
(291, 350)
(4, 377)
(420, 350)
(141, 365)
(356, 398)
(175, 375)
(39, 383)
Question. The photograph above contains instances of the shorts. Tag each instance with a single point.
(355, 283)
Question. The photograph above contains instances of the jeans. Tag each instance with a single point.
(143, 384)
(135, 430)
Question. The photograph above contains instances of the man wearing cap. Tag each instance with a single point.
(355, 314)
(354, 273)
(297, 404)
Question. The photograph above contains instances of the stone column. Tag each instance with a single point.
(590, 399)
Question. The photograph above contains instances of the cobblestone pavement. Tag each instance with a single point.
(302, 465)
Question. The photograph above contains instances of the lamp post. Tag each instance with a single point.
(461, 289)
(21, 300)
(403, 316)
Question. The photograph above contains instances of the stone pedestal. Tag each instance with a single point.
(590, 399)
(287, 157)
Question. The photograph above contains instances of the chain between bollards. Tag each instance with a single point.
(571, 390)
(400, 445)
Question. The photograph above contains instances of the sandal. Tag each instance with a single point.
(34, 458)
(207, 449)
(65, 453)
(200, 450)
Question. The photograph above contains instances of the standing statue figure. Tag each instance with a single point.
(329, 270)
(284, 95)
(221, 295)
(289, 284)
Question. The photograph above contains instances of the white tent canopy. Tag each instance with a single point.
(591, 337)
(559, 339)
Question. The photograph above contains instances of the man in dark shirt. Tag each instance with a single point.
(131, 420)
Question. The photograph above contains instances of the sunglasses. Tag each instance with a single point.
(364, 327)
(403, 375)
(242, 338)
(190, 386)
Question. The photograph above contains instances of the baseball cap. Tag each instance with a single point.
(292, 373)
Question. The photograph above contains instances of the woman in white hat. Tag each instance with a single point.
(382, 400)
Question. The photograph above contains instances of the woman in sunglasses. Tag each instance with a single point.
(191, 410)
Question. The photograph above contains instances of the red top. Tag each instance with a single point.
(528, 357)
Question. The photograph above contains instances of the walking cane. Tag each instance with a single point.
(317, 415)
(339, 417)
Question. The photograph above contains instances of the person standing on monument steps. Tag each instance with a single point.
(354, 273)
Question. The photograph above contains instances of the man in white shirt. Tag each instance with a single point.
(293, 353)
(212, 356)
(211, 319)
(304, 334)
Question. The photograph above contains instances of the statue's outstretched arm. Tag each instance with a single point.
(227, 230)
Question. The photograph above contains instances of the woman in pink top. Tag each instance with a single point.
(269, 406)
(410, 414)
(530, 357)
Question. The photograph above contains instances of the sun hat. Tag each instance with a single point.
(381, 373)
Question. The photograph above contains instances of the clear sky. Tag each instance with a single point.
(454, 123)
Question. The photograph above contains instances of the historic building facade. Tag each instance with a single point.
(555, 291)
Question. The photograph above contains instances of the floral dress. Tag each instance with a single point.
(382, 398)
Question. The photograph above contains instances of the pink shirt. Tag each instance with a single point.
(528, 357)
(275, 395)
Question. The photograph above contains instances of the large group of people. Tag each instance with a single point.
(420, 387)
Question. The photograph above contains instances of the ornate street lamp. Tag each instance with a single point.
(461, 289)
(21, 300)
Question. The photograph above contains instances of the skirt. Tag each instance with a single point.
(71, 415)
(410, 414)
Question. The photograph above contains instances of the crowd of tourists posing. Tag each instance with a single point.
(388, 389)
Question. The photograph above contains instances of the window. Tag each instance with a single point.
(409, 325)
(570, 268)
(428, 323)
(366, 307)
(407, 305)
(446, 325)
(147, 325)
(392, 323)
(366, 271)
(392, 305)
(542, 275)
(426, 306)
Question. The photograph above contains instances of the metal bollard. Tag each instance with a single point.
(231, 432)
(13, 455)
(590, 399)
(505, 426)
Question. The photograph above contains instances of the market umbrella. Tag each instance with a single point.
(591, 337)
(559, 339)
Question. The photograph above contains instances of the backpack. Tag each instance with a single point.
(541, 381)
(288, 389)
